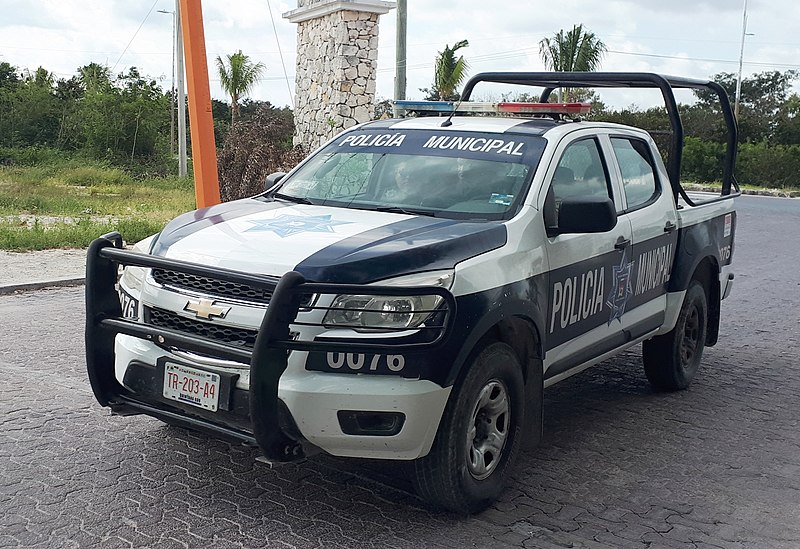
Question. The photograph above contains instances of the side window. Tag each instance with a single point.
(580, 172)
(638, 175)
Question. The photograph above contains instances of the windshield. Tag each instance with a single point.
(456, 175)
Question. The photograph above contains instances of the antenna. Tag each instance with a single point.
(447, 123)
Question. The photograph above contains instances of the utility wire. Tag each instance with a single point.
(526, 51)
(283, 64)
(788, 65)
(134, 36)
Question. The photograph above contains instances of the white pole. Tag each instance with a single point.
(741, 60)
(181, 94)
(400, 53)
(172, 100)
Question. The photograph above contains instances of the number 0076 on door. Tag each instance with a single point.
(191, 386)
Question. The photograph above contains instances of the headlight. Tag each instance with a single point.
(376, 312)
(133, 277)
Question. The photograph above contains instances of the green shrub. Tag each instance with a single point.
(702, 160)
(757, 164)
(775, 166)
(92, 176)
(28, 175)
(32, 156)
(173, 182)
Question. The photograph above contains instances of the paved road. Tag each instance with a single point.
(715, 466)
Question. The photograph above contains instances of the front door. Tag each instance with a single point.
(590, 278)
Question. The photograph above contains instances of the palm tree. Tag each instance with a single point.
(450, 72)
(577, 50)
(237, 77)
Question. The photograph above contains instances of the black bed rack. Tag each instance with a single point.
(552, 81)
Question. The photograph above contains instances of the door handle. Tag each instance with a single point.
(622, 243)
(669, 227)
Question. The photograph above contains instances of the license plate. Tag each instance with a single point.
(129, 304)
(191, 386)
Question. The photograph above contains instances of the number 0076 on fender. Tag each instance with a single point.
(191, 386)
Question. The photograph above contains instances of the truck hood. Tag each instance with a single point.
(324, 244)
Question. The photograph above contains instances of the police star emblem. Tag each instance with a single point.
(621, 289)
(288, 225)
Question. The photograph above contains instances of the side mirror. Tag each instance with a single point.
(589, 214)
(273, 179)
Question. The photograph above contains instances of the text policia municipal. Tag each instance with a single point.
(579, 297)
(443, 142)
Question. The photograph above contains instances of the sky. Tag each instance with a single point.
(693, 38)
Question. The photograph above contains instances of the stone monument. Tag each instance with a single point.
(337, 56)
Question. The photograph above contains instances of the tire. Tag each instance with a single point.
(479, 435)
(671, 360)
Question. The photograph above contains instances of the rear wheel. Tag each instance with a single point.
(672, 360)
(479, 436)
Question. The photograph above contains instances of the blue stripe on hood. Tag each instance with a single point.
(409, 246)
(192, 222)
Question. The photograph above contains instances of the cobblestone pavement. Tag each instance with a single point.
(620, 466)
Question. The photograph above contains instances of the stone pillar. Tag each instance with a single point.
(337, 56)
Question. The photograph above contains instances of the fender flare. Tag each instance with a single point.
(694, 246)
(685, 271)
(516, 308)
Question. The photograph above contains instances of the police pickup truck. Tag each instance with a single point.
(409, 290)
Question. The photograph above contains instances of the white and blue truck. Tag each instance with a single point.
(409, 290)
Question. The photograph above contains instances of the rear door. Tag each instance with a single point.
(587, 270)
(649, 205)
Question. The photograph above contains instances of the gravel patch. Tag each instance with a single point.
(25, 268)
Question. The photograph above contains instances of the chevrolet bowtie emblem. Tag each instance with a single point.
(205, 308)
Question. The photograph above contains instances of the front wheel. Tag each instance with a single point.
(672, 360)
(479, 436)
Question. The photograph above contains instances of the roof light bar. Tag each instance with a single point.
(490, 107)
(546, 108)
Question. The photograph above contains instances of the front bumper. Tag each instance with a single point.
(309, 402)
(275, 403)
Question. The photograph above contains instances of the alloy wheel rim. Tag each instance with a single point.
(691, 336)
(488, 429)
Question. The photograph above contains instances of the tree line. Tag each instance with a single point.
(768, 124)
(124, 119)
(768, 120)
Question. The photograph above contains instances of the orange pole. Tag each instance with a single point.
(201, 121)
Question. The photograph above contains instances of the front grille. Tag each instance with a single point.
(212, 286)
(238, 337)
(219, 288)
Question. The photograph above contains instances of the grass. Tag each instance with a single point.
(78, 201)
(14, 236)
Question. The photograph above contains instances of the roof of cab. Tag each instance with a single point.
(485, 124)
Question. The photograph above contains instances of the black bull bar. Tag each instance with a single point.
(268, 358)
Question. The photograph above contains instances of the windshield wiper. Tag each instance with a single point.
(295, 199)
(407, 211)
